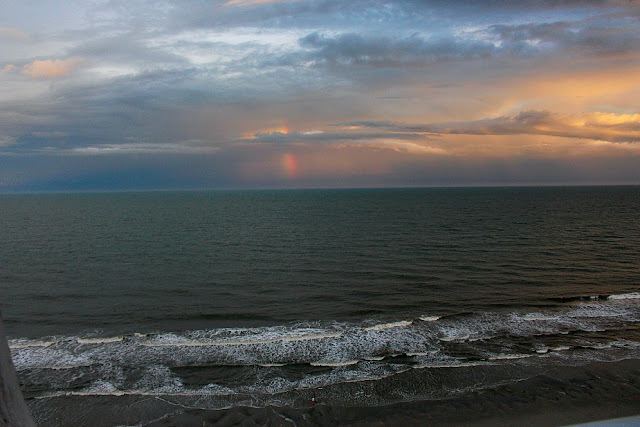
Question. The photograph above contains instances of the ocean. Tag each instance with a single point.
(165, 308)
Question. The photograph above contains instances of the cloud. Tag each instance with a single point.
(131, 51)
(367, 14)
(254, 2)
(49, 134)
(13, 34)
(317, 136)
(516, 5)
(605, 36)
(357, 49)
(184, 147)
(6, 140)
(594, 126)
(394, 141)
(50, 69)
(456, 81)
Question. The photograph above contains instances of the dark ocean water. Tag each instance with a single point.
(262, 297)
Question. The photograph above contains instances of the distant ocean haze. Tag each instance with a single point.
(266, 296)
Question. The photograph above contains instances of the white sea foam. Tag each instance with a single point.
(632, 295)
(351, 352)
(24, 343)
(100, 340)
(429, 318)
(248, 341)
(449, 365)
(543, 349)
(532, 317)
(600, 346)
(451, 338)
(428, 353)
(205, 391)
(510, 356)
(48, 358)
(374, 358)
(335, 364)
(390, 325)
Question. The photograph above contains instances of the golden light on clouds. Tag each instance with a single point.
(569, 90)
(50, 68)
(612, 119)
(9, 68)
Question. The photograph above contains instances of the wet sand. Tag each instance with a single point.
(553, 396)
(561, 396)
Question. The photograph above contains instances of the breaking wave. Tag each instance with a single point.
(273, 360)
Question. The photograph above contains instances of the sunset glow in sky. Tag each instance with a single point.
(114, 94)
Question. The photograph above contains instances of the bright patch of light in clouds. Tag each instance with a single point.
(50, 68)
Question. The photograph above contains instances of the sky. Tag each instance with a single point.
(177, 94)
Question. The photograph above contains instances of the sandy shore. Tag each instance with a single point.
(560, 396)
(554, 396)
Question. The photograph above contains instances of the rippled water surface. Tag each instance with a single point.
(257, 296)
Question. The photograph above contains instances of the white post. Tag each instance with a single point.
(13, 410)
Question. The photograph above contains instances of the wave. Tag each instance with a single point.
(170, 340)
(390, 325)
(314, 354)
(25, 343)
(510, 356)
(579, 298)
(631, 295)
(544, 349)
(602, 297)
(334, 364)
(105, 340)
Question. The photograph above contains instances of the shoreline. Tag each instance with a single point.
(583, 394)
(552, 396)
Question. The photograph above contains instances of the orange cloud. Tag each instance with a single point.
(534, 146)
(50, 69)
(594, 126)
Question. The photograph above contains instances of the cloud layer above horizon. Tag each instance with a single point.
(113, 94)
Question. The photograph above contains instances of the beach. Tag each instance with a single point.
(555, 396)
